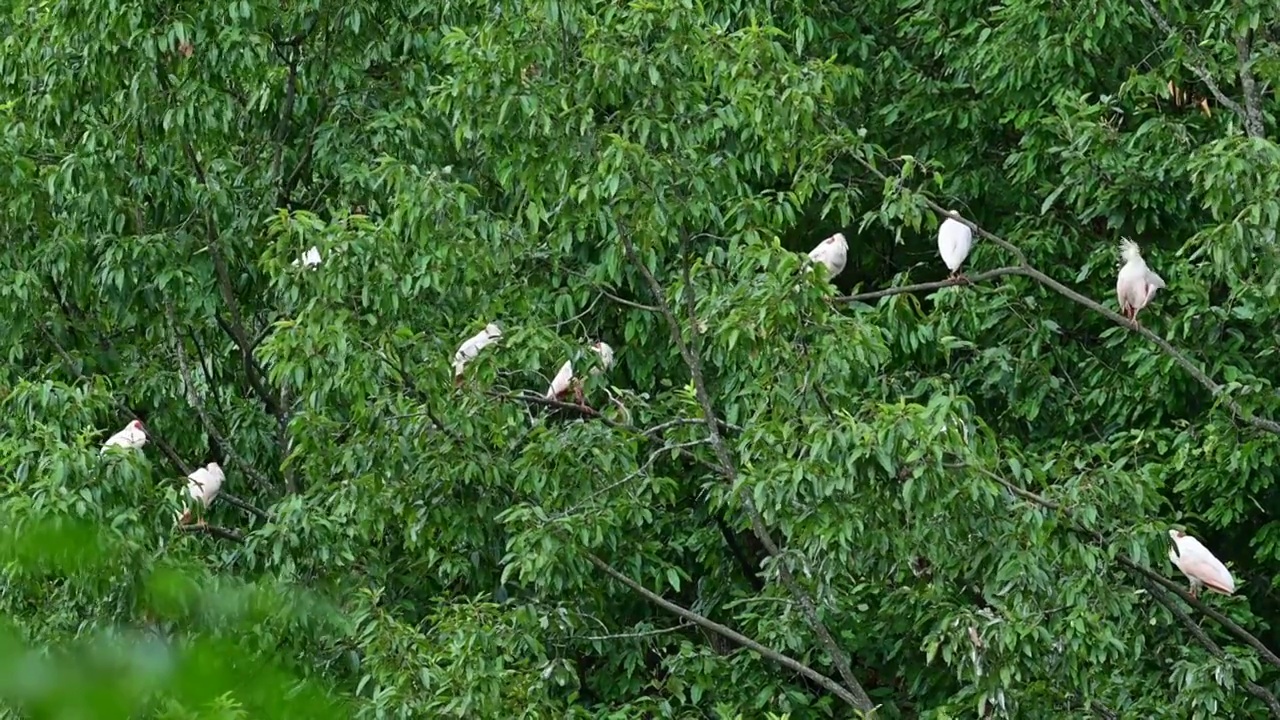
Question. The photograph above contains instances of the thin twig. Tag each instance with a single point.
(731, 635)
(728, 471)
(637, 635)
(922, 287)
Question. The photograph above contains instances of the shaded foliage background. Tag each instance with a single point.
(942, 501)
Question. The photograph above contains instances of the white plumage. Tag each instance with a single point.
(131, 437)
(1136, 283)
(561, 383)
(955, 239)
(471, 348)
(833, 253)
(1199, 565)
(310, 258)
(203, 485)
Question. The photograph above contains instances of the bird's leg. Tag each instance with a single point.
(457, 381)
(1195, 591)
(577, 395)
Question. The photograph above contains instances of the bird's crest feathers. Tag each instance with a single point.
(1129, 250)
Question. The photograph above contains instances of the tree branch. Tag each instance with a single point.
(921, 287)
(1128, 563)
(857, 696)
(198, 403)
(1197, 64)
(1025, 269)
(1203, 638)
(1253, 124)
(733, 636)
(214, 530)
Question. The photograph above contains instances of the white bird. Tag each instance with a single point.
(833, 253)
(563, 380)
(471, 348)
(131, 437)
(310, 258)
(955, 240)
(1136, 283)
(1199, 565)
(203, 485)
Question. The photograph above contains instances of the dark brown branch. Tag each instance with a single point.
(214, 530)
(731, 635)
(197, 402)
(857, 696)
(1026, 270)
(1203, 638)
(922, 287)
(1197, 64)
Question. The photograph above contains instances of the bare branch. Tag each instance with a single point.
(921, 287)
(736, 637)
(728, 471)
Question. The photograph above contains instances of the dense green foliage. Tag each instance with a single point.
(962, 493)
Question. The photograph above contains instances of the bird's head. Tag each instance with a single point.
(492, 330)
(136, 425)
(214, 468)
(1176, 534)
(606, 353)
(1129, 250)
(837, 239)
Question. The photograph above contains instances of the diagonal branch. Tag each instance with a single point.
(165, 448)
(1025, 269)
(728, 471)
(733, 636)
(198, 403)
(1128, 563)
(1203, 638)
(1198, 65)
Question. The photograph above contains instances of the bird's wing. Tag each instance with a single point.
(1200, 564)
(560, 382)
(1153, 279)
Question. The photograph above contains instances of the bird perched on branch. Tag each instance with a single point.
(203, 485)
(471, 348)
(955, 239)
(832, 253)
(1199, 565)
(131, 437)
(310, 258)
(564, 379)
(1136, 283)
